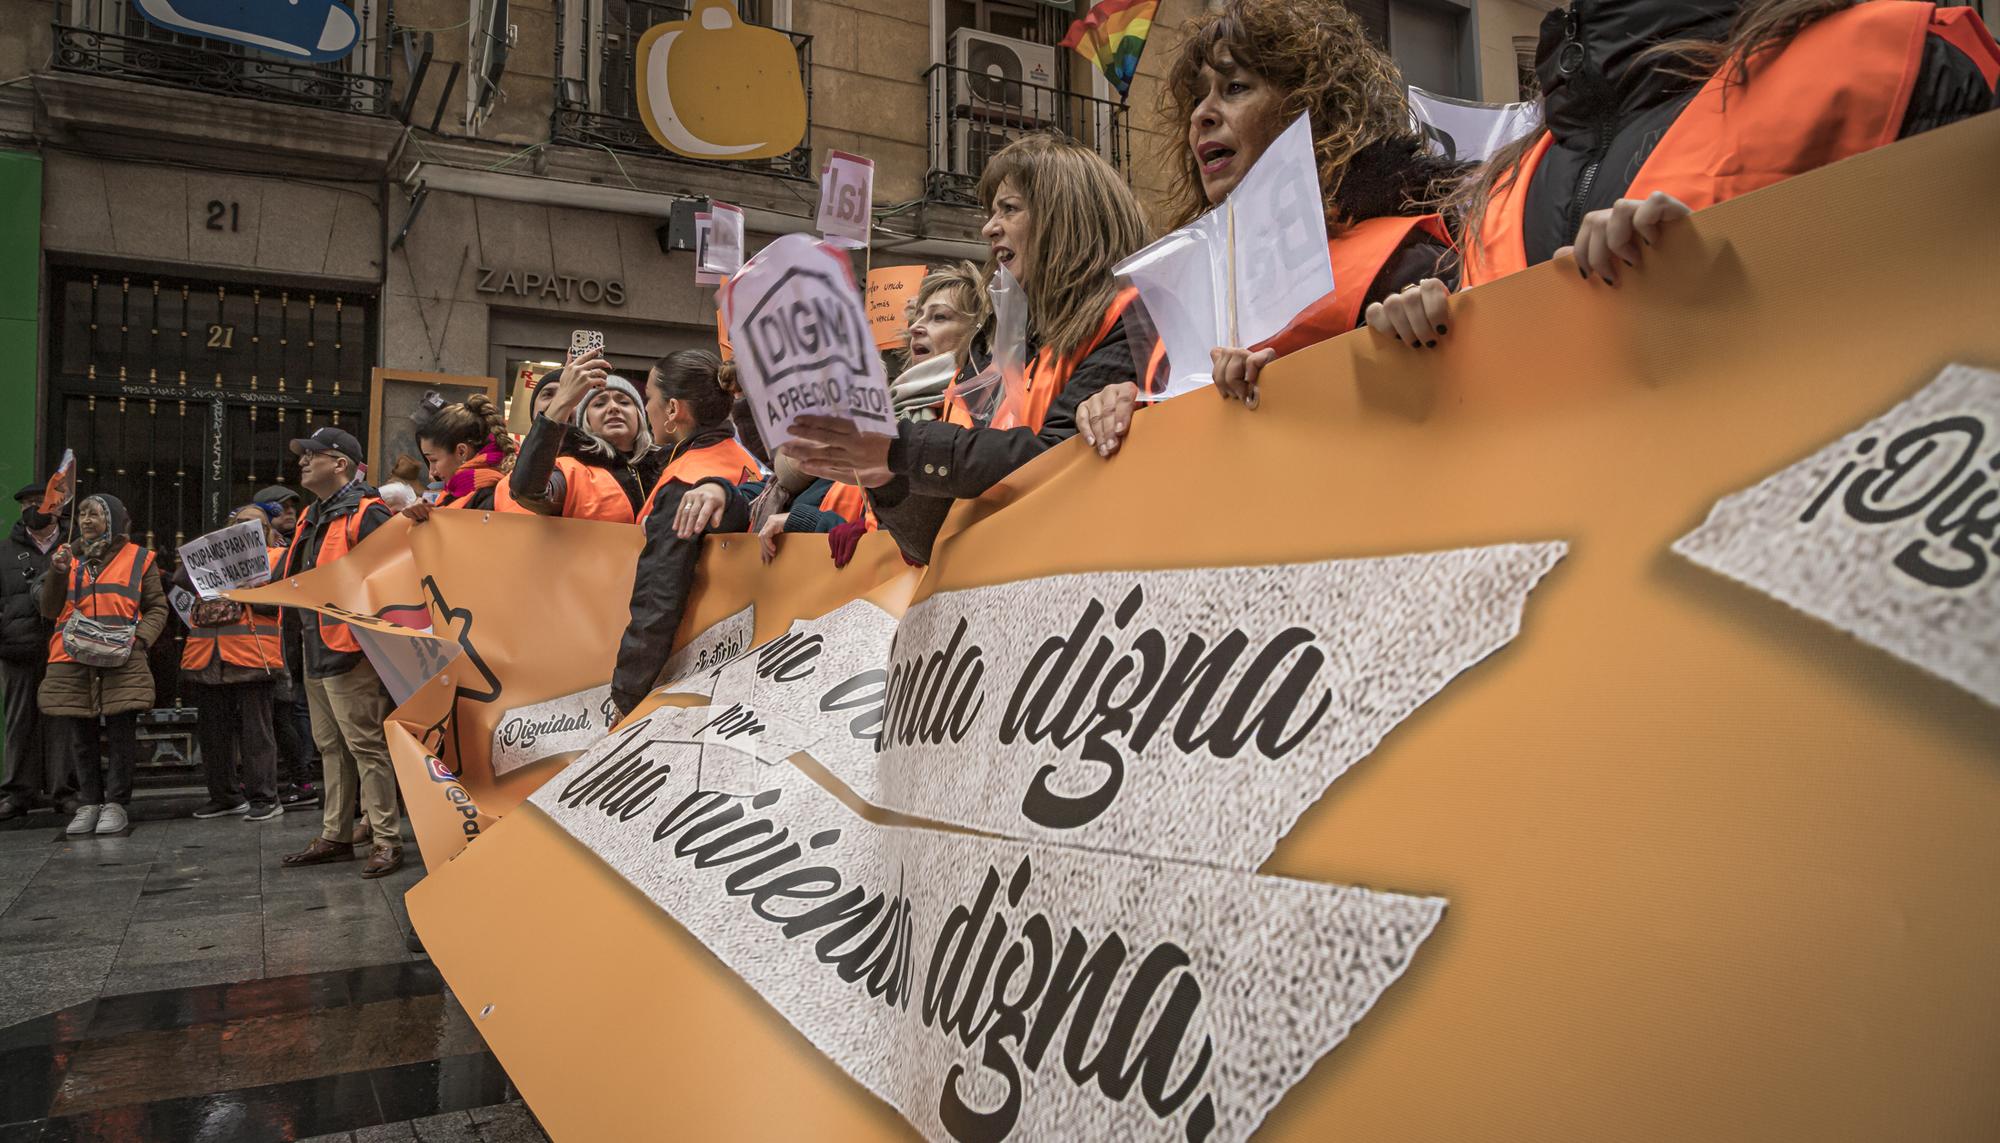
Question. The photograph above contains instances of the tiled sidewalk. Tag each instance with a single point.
(180, 984)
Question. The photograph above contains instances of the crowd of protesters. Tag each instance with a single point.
(1649, 111)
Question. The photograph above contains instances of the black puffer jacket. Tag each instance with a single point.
(24, 634)
(1608, 108)
(303, 643)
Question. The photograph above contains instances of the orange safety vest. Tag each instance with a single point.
(589, 493)
(725, 459)
(1838, 89)
(113, 594)
(850, 503)
(252, 641)
(1358, 254)
(334, 544)
(1047, 374)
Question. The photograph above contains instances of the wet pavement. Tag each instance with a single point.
(178, 984)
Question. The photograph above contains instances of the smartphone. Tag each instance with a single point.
(585, 344)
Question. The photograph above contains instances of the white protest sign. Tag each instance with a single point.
(1276, 222)
(704, 237)
(1470, 132)
(183, 601)
(846, 198)
(227, 559)
(725, 240)
(802, 340)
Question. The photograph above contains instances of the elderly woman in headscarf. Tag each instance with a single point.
(105, 595)
(589, 453)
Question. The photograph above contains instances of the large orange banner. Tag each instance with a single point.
(1586, 727)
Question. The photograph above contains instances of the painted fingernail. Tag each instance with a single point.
(1430, 345)
(1584, 272)
(1442, 329)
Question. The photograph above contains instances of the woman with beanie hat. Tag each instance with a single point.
(589, 453)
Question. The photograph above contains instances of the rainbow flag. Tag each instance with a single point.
(1112, 35)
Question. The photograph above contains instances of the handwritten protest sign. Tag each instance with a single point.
(890, 288)
(227, 559)
(846, 198)
(802, 342)
(1238, 274)
(1470, 132)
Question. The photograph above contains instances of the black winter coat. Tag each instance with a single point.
(1608, 108)
(938, 463)
(24, 634)
(303, 643)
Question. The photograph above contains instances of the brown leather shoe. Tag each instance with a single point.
(385, 860)
(320, 852)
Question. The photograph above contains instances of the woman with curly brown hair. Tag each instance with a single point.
(1653, 110)
(1243, 73)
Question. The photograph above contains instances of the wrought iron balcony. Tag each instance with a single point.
(974, 114)
(110, 38)
(597, 98)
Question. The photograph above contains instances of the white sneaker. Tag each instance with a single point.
(84, 822)
(113, 819)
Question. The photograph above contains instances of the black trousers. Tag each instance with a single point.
(239, 751)
(291, 749)
(37, 767)
(107, 777)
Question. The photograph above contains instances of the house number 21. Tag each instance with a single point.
(224, 215)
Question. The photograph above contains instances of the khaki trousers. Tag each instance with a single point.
(347, 715)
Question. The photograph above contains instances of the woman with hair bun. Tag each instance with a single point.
(468, 449)
(698, 491)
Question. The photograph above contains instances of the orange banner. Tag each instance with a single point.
(1716, 869)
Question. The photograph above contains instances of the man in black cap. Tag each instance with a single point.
(35, 765)
(345, 694)
(286, 519)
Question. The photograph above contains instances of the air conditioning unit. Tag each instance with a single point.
(1002, 78)
(974, 143)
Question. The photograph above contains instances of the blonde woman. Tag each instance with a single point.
(1059, 218)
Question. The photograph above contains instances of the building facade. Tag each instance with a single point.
(210, 249)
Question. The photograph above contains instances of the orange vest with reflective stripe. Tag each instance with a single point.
(1047, 374)
(113, 594)
(252, 641)
(333, 544)
(1358, 256)
(725, 459)
(589, 493)
(1838, 89)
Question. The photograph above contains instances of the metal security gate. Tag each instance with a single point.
(181, 396)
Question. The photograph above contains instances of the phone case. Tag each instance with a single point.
(585, 343)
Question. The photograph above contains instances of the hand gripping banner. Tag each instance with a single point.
(1592, 740)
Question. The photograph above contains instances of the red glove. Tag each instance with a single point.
(844, 539)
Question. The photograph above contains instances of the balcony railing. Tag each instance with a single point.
(110, 38)
(597, 98)
(974, 114)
